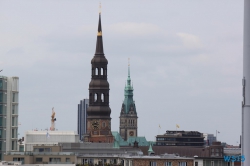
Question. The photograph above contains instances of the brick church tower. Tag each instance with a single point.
(98, 112)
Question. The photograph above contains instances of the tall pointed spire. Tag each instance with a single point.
(99, 44)
(128, 80)
(98, 111)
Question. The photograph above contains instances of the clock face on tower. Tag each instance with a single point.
(95, 124)
(131, 133)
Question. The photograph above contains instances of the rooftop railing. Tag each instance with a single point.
(40, 153)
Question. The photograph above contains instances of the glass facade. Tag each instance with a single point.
(2, 121)
(8, 114)
(2, 109)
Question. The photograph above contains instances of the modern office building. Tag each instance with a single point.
(180, 138)
(128, 115)
(82, 118)
(9, 92)
(209, 139)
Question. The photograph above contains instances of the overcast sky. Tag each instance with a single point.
(186, 61)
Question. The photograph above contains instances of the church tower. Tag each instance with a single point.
(128, 115)
(98, 112)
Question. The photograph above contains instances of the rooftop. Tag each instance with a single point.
(44, 132)
(164, 156)
(179, 150)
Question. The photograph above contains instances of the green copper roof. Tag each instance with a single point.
(141, 141)
(119, 139)
(150, 149)
(128, 94)
(120, 142)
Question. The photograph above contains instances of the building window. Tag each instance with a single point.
(101, 71)
(21, 148)
(42, 149)
(96, 96)
(67, 160)
(103, 124)
(96, 71)
(39, 159)
(13, 145)
(15, 97)
(47, 149)
(54, 160)
(1, 97)
(14, 109)
(168, 163)
(13, 133)
(19, 159)
(3, 109)
(196, 163)
(14, 121)
(102, 97)
(212, 163)
(153, 163)
(182, 163)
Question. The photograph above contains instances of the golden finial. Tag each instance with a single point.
(128, 62)
(100, 8)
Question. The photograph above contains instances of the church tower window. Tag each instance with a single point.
(101, 71)
(102, 97)
(96, 71)
(96, 97)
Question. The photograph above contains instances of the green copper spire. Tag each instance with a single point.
(150, 150)
(128, 93)
(128, 80)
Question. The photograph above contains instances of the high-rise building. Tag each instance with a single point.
(98, 112)
(82, 117)
(209, 139)
(9, 92)
(128, 115)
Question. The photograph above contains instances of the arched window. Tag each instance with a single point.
(96, 96)
(105, 71)
(90, 97)
(102, 97)
(101, 71)
(93, 71)
(96, 71)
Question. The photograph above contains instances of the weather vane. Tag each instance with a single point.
(100, 8)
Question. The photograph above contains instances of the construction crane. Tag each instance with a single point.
(53, 119)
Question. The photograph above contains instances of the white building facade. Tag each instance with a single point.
(33, 138)
(9, 92)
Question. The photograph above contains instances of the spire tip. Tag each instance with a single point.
(100, 8)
